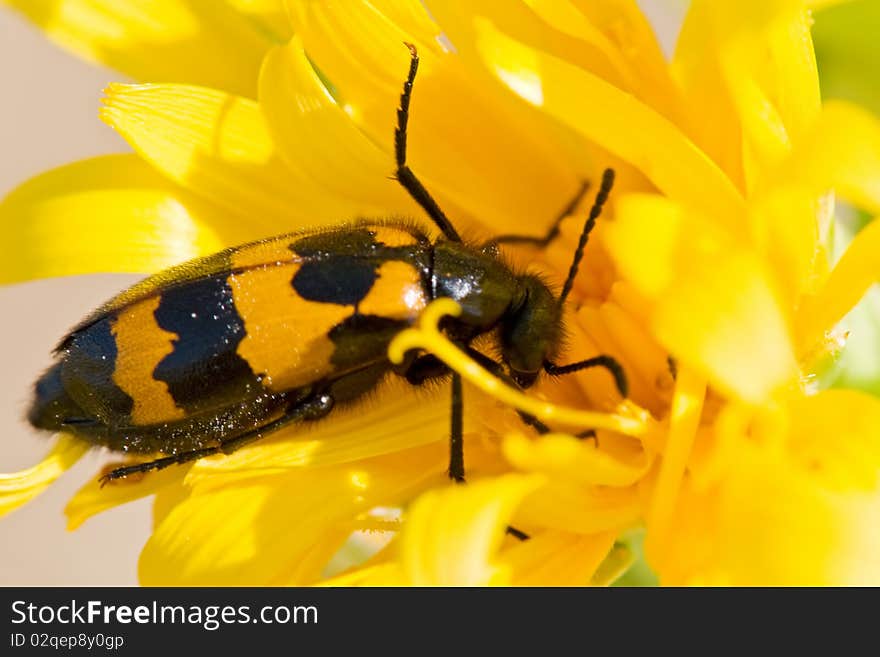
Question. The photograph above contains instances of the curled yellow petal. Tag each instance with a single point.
(555, 558)
(18, 488)
(199, 41)
(428, 337)
(559, 455)
(582, 509)
(135, 220)
(450, 535)
(94, 498)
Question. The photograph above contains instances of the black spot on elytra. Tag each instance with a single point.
(204, 371)
(353, 242)
(343, 280)
(87, 372)
(362, 338)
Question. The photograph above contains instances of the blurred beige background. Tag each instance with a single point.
(48, 116)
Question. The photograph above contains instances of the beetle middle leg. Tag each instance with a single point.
(312, 408)
(426, 368)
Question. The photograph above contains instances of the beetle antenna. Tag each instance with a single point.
(405, 175)
(595, 211)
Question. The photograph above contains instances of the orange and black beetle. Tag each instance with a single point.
(221, 351)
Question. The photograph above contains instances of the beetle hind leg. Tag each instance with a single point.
(313, 408)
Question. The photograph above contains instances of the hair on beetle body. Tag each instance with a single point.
(216, 353)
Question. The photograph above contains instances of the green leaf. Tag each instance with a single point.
(848, 51)
(640, 573)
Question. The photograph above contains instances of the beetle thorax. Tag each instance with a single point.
(483, 286)
(522, 307)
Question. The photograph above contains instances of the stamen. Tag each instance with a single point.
(429, 338)
(18, 488)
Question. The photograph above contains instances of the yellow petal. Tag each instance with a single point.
(384, 574)
(167, 498)
(730, 325)
(840, 152)
(854, 273)
(200, 41)
(310, 566)
(749, 75)
(616, 121)
(595, 323)
(716, 124)
(555, 558)
(611, 39)
(572, 507)
(788, 222)
(108, 214)
(218, 145)
(268, 16)
(94, 498)
(580, 461)
(766, 53)
(462, 142)
(400, 418)
(251, 533)
(413, 18)
(801, 508)
(18, 488)
(716, 306)
(318, 139)
(450, 535)
(687, 407)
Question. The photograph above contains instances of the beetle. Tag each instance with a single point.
(218, 352)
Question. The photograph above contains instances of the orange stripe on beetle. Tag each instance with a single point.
(141, 344)
(398, 292)
(286, 339)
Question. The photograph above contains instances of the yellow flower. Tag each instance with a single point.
(711, 254)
